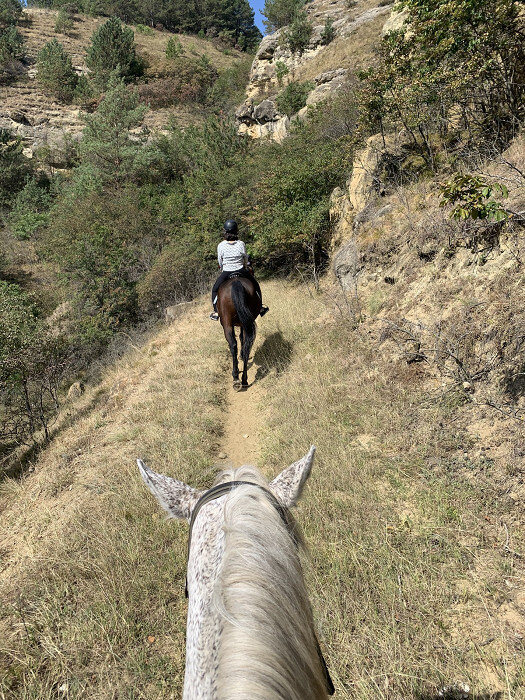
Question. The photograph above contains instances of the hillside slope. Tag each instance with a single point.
(415, 571)
(41, 121)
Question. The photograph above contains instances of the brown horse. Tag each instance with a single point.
(239, 305)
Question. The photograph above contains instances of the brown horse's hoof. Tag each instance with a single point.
(237, 385)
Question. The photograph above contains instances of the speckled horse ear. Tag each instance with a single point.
(288, 486)
(177, 498)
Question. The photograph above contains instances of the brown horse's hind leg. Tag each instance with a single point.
(229, 332)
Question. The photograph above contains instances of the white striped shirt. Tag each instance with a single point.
(231, 255)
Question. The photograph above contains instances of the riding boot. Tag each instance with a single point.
(214, 316)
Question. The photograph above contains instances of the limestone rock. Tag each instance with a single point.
(347, 264)
(341, 216)
(395, 21)
(365, 178)
(266, 111)
(75, 390)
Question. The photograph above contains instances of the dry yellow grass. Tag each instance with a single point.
(412, 587)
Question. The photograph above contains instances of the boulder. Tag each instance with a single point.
(267, 47)
(245, 112)
(347, 265)
(266, 111)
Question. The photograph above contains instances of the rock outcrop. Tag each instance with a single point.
(258, 117)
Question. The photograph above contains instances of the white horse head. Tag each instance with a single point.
(250, 632)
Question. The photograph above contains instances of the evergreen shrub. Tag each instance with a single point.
(55, 71)
(113, 49)
(293, 97)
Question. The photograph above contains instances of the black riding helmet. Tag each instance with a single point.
(230, 226)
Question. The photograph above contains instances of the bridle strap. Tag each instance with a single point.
(222, 490)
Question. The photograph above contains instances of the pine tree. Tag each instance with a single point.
(280, 13)
(113, 49)
(106, 144)
(10, 11)
(55, 71)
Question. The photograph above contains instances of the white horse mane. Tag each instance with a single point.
(262, 598)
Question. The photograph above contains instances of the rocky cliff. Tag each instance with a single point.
(357, 28)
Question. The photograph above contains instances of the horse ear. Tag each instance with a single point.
(288, 486)
(177, 498)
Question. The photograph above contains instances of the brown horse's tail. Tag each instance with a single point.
(245, 317)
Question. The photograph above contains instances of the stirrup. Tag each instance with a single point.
(264, 310)
(214, 316)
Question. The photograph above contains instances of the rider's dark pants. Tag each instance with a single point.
(243, 272)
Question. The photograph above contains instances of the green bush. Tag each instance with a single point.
(113, 49)
(143, 29)
(32, 363)
(11, 52)
(281, 69)
(14, 166)
(10, 12)
(174, 48)
(297, 36)
(190, 82)
(11, 44)
(328, 34)
(178, 274)
(456, 57)
(55, 71)
(227, 92)
(293, 97)
(30, 209)
(85, 93)
(64, 22)
(102, 244)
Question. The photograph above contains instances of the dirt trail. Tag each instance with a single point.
(242, 424)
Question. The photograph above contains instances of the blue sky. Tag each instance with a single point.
(257, 5)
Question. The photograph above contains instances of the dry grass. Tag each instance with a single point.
(413, 587)
(415, 569)
(355, 52)
(91, 571)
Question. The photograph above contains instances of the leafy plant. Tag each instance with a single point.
(10, 12)
(471, 197)
(293, 97)
(14, 166)
(144, 29)
(328, 33)
(32, 362)
(281, 69)
(174, 48)
(30, 209)
(64, 22)
(279, 13)
(55, 71)
(11, 44)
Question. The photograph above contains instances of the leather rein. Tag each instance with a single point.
(222, 490)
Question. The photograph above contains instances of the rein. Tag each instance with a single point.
(227, 487)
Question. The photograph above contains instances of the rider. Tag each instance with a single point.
(232, 257)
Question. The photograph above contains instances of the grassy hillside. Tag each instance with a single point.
(415, 568)
(38, 27)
